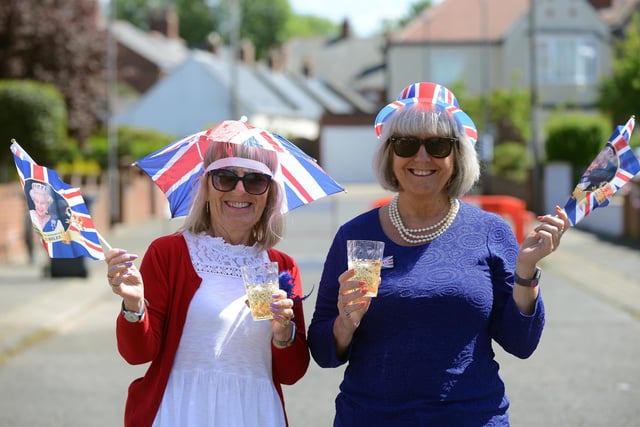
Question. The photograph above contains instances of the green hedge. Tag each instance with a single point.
(35, 115)
(576, 139)
(133, 144)
(511, 160)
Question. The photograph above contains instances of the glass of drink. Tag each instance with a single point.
(260, 281)
(365, 256)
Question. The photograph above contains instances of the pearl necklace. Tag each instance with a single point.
(415, 235)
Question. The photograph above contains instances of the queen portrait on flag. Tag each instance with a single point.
(43, 210)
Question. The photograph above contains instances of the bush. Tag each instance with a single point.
(132, 143)
(576, 139)
(35, 115)
(511, 160)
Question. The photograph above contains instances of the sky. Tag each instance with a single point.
(365, 16)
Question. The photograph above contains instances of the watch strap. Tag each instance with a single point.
(291, 339)
(132, 316)
(530, 283)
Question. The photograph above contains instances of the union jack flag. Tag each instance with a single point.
(428, 94)
(612, 168)
(58, 211)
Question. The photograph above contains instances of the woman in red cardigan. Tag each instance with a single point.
(185, 309)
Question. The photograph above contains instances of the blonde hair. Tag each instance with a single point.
(416, 120)
(268, 231)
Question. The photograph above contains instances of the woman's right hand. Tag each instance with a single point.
(352, 302)
(125, 279)
(352, 306)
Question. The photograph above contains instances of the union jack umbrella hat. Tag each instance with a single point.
(177, 167)
(429, 95)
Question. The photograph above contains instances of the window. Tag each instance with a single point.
(567, 59)
(447, 67)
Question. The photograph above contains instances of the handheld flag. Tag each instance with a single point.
(58, 211)
(612, 168)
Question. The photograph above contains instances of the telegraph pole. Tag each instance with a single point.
(112, 134)
(234, 40)
(536, 175)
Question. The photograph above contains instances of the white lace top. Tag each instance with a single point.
(221, 375)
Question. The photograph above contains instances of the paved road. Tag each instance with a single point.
(59, 365)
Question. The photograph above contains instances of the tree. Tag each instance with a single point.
(415, 9)
(195, 19)
(310, 26)
(57, 42)
(620, 94)
(264, 22)
(135, 12)
(34, 114)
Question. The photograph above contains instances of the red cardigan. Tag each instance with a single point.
(155, 339)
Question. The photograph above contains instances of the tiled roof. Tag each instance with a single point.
(619, 11)
(464, 21)
(165, 52)
(339, 62)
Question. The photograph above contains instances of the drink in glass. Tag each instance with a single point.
(261, 281)
(365, 257)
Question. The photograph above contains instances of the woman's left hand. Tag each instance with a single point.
(545, 238)
(282, 310)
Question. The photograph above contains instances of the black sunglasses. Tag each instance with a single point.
(436, 146)
(254, 182)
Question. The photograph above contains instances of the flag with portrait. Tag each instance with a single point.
(612, 168)
(58, 212)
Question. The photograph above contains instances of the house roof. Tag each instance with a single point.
(464, 21)
(166, 53)
(289, 89)
(198, 92)
(340, 62)
(619, 12)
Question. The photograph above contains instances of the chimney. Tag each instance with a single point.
(275, 60)
(307, 67)
(346, 29)
(164, 21)
(215, 43)
(247, 53)
(601, 4)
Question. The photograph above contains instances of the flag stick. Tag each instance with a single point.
(103, 240)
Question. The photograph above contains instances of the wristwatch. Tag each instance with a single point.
(291, 339)
(132, 316)
(531, 283)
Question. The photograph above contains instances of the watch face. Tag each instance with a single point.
(130, 316)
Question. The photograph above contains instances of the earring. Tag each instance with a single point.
(206, 207)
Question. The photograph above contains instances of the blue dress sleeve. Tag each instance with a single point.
(517, 333)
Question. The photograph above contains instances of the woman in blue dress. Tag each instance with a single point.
(453, 282)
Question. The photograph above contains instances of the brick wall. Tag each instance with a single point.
(141, 200)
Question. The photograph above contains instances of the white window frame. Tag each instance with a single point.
(566, 59)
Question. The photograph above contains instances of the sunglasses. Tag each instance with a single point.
(254, 182)
(436, 146)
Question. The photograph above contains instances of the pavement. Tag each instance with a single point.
(33, 306)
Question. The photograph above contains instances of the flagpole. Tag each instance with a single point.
(104, 241)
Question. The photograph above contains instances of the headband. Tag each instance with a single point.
(429, 94)
(240, 162)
